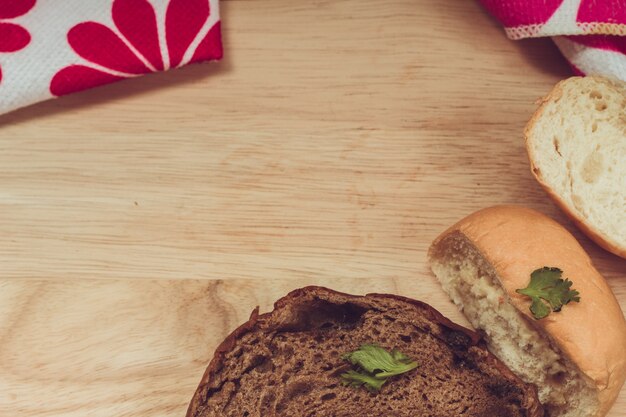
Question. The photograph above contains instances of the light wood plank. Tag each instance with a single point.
(336, 139)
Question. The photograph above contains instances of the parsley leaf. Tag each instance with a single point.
(548, 291)
(378, 364)
(356, 379)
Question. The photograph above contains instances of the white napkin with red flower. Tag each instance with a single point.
(591, 34)
(50, 48)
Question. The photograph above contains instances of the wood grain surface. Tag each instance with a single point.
(142, 221)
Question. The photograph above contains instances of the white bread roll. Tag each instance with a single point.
(576, 357)
(576, 143)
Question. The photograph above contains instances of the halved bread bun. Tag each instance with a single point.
(576, 357)
(576, 143)
(289, 363)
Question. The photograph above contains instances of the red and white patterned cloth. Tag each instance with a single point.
(50, 48)
(590, 33)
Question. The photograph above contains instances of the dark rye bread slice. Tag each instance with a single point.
(288, 363)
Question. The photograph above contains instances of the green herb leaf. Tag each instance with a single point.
(548, 291)
(378, 365)
(356, 379)
(539, 308)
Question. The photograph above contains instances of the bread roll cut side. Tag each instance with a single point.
(578, 366)
(576, 144)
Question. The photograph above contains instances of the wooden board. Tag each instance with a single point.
(332, 144)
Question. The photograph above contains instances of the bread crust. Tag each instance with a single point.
(599, 238)
(591, 333)
(282, 305)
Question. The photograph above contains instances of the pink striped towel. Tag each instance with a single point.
(590, 33)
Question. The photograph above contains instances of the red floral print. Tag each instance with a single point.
(603, 12)
(519, 13)
(13, 37)
(136, 21)
(193, 13)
